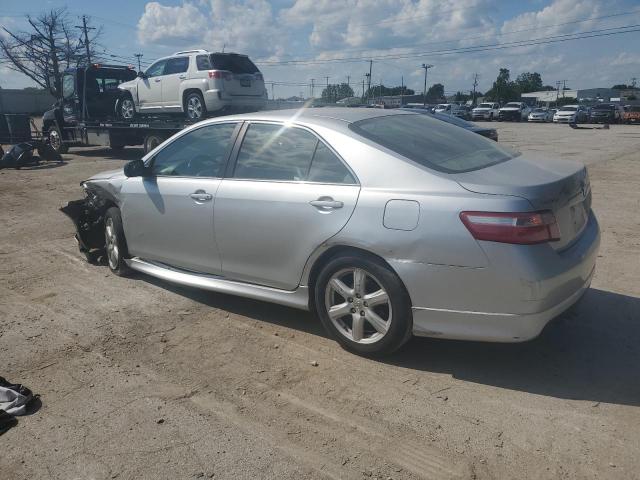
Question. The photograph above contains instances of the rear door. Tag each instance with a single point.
(168, 215)
(150, 88)
(175, 72)
(246, 79)
(287, 193)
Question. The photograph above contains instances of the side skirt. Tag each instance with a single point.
(298, 298)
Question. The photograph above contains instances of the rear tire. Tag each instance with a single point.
(115, 243)
(151, 142)
(194, 107)
(370, 309)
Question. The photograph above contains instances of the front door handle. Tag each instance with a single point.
(326, 203)
(201, 196)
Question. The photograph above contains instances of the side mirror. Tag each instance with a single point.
(141, 74)
(135, 168)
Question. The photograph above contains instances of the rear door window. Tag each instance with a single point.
(326, 167)
(275, 152)
(203, 62)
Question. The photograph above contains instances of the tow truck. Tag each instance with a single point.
(86, 113)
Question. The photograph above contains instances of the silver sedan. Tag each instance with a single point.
(387, 224)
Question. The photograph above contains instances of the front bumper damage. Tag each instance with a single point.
(87, 215)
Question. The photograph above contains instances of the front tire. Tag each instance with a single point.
(115, 243)
(194, 107)
(126, 108)
(54, 139)
(363, 305)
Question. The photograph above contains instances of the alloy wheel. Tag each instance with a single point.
(194, 107)
(54, 140)
(127, 109)
(358, 305)
(111, 244)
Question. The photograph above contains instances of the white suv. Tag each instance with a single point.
(194, 82)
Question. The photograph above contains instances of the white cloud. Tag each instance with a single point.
(170, 25)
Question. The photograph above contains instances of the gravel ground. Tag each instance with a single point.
(142, 379)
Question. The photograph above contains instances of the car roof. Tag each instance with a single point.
(332, 117)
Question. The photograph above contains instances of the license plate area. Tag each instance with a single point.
(245, 82)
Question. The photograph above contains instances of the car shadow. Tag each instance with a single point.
(127, 154)
(591, 353)
(43, 166)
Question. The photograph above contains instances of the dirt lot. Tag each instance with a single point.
(142, 379)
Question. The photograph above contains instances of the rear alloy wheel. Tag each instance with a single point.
(126, 108)
(194, 106)
(114, 242)
(362, 303)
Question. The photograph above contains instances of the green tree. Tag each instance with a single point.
(435, 93)
(529, 82)
(462, 97)
(381, 90)
(503, 89)
(333, 93)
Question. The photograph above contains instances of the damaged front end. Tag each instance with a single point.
(88, 217)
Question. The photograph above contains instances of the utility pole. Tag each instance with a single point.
(368, 75)
(348, 80)
(84, 28)
(363, 89)
(558, 83)
(328, 92)
(312, 86)
(139, 56)
(401, 90)
(272, 94)
(475, 84)
(564, 86)
(633, 82)
(424, 92)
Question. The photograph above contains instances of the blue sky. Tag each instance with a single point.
(400, 34)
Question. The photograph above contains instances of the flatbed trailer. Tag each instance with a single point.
(87, 116)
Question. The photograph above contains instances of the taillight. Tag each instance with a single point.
(258, 76)
(517, 227)
(220, 74)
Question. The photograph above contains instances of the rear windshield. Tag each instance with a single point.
(485, 105)
(512, 105)
(603, 107)
(432, 143)
(569, 109)
(233, 63)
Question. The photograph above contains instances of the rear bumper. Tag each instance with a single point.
(509, 301)
(217, 100)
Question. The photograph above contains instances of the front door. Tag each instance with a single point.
(175, 72)
(168, 215)
(288, 193)
(150, 88)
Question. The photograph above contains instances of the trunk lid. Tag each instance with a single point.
(560, 186)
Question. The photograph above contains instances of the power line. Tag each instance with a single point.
(472, 49)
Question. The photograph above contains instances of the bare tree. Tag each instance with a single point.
(52, 45)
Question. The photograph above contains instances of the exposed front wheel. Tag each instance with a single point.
(54, 139)
(363, 305)
(126, 109)
(114, 242)
(194, 107)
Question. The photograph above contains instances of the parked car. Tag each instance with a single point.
(194, 82)
(606, 113)
(514, 111)
(385, 223)
(461, 111)
(485, 111)
(631, 114)
(443, 108)
(571, 114)
(491, 133)
(540, 115)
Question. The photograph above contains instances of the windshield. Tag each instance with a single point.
(539, 110)
(569, 109)
(512, 105)
(485, 105)
(432, 143)
(603, 107)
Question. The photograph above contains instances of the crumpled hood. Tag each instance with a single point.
(127, 85)
(108, 174)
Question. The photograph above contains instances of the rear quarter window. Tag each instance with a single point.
(433, 143)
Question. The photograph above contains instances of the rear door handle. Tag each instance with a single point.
(201, 196)
(157, 80)
(182, 77)
(326, 203)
